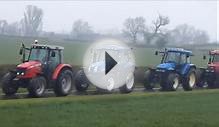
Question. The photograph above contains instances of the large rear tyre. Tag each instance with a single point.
(37, 86)
(200, 78)
(172, 83)
(81, 81)
(129, 86)
(190, 80)
(148, 80)
(8, 87)
(63, 85)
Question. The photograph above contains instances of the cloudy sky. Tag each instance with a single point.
(108, 16)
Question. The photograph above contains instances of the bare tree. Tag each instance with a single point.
(160, 22)
(186, 34)
(32, 21)
(133, 27)
(81, 29)
(3, 25)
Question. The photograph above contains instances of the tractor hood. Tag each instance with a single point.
(29, 65)
(166, 66)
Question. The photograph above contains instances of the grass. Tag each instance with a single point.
(169, 109)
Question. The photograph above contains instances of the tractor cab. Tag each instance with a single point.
(174, 59)
(98, 57)
(213, 61)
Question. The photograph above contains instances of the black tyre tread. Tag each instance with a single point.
(148, 79)
(125, 90)
(80, 78)
(7, 87)
(168, 86)
(58, 86)
(200, 77)
(32, 86)
(185, 83)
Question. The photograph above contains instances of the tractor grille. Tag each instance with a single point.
(20, 71)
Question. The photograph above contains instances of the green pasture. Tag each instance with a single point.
(167, 109)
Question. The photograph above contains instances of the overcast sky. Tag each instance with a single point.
(110, 15)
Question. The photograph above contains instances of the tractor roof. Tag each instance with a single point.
(214, 52)
(179, 50)
(47, 46)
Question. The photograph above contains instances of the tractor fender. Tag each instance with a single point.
(59, 68)
(186, 68)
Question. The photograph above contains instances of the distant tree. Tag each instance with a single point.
(160, 22)
(3, 25)
(133, 27)
(32, 21)
(14, 29)
(81, 30)
(186, 34)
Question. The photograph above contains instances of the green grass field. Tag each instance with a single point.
(169, 109)
(74, 52)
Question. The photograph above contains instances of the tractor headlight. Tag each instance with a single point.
(20, 72)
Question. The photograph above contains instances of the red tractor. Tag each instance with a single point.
(43, 69)
(210, 76)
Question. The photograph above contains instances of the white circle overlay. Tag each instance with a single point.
(94, 64)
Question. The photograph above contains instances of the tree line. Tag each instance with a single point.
(135, 30)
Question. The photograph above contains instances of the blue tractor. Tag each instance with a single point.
(175, 69)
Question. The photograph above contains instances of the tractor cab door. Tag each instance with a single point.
(53, 61)
(182, 63)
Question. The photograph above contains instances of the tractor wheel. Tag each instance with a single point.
(148, 77)
(129, 86)
(63, 85)
(37, 86)
(200, 78)
(8, 87)
(172, 82)
(81, 81)
(190, 80)
(211, 83)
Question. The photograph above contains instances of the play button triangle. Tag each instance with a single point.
(109, 62)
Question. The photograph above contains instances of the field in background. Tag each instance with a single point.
(169, 109)
(74, 51)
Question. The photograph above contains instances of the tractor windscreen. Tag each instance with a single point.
(38, 55)
(172, 57)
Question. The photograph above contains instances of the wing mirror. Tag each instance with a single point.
(53, 54)
(156, 53)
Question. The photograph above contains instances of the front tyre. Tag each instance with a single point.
(129, 86)
(8, 87)
(81, 82)
(37, 86)
(148, 80)
(190, 80)
(172, 83)
(63, 85)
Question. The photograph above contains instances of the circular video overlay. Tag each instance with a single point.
(109, 64)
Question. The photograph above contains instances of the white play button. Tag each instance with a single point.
(109, 64)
